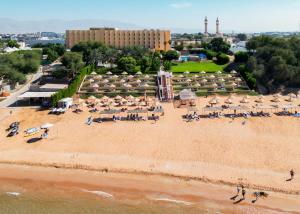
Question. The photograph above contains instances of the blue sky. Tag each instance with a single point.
(235, 15)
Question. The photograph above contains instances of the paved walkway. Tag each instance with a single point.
(13, 96)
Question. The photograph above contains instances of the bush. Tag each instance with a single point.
(222, 59)
(241, 57)
(73, 87)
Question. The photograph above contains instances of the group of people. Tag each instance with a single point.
(257, 195)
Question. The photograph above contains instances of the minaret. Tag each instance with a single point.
(206, 25)
(218, 26)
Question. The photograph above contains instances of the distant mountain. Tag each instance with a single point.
(57, 25)
(60, 26)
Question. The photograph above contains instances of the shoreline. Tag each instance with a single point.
(155, 188)
(147, 173)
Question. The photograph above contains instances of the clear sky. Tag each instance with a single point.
(235, 15)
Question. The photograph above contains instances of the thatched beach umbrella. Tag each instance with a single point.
(139, 73)
(213, 101)
(196, 76)
(277, 96)
(118, 97)
(147, 77)
(244, 100)
(130, 98)
(188, 80)
(228, 101)
(91, 80)
(105, 99)
(204, 81)
(128, 86)
(138, 81)
(95, 86)
(219, 72)
(124, 73)
(130, 77)
(122, 81)
(181, 76)
(105, 81)
(233, 72)
(260, 99)
(124, 100)
(112, 86)
(197, 85)
(98, 77)
(233, 85)
(145, 85)
(290, 99)
(276, 100)
(221, 80)
(92, 99)
(211, 76)
(93, 73)
(108, 73)
(215, 85)
(292, 95)
(202, 72)
(186, 72)
(239, 80)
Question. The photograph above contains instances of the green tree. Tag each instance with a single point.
(241, 57)
(52, 55)
(242, 37)
(145, 64)
(218, 45)
(73, 62)
(167, 65)
(179, 47)
(155, 62)
(127, 63)
(13, 44)
(171, 55)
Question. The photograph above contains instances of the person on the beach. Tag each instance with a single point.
(292, 173)
(238, 189)
(243, 193)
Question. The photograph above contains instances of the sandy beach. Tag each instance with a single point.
(219, 153)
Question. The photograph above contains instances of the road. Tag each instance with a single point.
(13, 96)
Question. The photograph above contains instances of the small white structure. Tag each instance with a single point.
(65, 103)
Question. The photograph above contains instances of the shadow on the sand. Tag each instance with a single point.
(239, 201)
(34, 140)
(234, 197)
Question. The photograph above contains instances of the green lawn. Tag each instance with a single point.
(197, 67)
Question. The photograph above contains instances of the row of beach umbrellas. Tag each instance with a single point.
(260, 99)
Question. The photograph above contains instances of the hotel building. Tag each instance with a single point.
(152, 39)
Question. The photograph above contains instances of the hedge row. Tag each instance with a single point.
(72, 88)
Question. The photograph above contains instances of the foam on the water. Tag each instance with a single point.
(99, 193)
(172, 201)
(16, 194)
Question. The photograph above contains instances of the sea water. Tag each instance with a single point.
(52, 200)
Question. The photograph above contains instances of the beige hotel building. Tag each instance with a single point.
(152, 39)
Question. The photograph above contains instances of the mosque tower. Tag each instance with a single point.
(218, 27)
(206, 26)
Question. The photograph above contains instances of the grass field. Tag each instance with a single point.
(197, 67)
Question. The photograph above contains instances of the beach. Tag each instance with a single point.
(217, 153)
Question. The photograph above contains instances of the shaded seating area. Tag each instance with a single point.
(137, 114)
